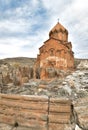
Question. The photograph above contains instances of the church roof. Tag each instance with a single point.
(58, 27)
(55, 40)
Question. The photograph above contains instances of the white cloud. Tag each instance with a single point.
(28, 46)
(13, 26)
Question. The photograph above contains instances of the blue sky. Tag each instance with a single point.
(25, 24)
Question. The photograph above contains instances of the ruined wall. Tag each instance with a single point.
(35, 112)
(26, 111)
(59, 114)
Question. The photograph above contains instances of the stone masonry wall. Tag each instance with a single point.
(35, 112)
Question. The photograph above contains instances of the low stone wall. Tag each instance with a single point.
(35, 112)
(59, 113)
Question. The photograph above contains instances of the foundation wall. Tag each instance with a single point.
(35, 112)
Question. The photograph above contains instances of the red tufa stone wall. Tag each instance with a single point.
(35, 112)
(56, 51)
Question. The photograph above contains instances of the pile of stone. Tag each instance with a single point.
(83, 64)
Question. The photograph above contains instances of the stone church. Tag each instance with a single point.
(56, 52)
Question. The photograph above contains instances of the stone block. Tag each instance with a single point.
(54, 126)
(26, 111)
(62, 118)
(60, 108)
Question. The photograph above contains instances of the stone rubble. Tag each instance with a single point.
(72, 86)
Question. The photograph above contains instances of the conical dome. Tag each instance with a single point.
(59, 32)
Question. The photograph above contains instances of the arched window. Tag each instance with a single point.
(58, 52)
(51, 52)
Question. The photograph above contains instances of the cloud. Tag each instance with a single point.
(24, 26)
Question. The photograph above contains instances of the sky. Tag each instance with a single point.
(25, 25)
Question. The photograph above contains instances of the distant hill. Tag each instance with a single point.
(21, 60)
(29, 61)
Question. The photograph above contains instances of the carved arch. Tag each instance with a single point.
(58, 52)
(51, 51)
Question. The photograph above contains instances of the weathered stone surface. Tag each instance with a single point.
(34, 112)
(15, 73)
(5, 126)
(53, 126)
(77, 128)
(28, 115)
(60, 105)
(59, 113)
(62, 118)
(26, 111)
(83, 64)
(14, 127)
(81, 109)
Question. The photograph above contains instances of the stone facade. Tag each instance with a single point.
(56, 52)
